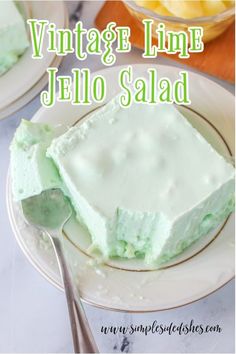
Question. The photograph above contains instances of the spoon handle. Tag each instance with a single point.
(82, 336)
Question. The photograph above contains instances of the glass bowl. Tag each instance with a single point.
(213, 26)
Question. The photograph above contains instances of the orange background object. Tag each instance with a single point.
(218, 58)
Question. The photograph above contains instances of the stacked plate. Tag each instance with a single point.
(27, 77)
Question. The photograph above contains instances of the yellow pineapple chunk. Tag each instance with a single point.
(213, 7)
(184, 8)
(147, 4)
(229, 3)
(162, 10)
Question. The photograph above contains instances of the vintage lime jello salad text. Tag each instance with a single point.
(82, 88)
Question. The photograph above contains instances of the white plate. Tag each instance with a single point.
(27, 77)
(127, 285)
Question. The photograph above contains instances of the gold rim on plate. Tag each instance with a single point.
(50, 273)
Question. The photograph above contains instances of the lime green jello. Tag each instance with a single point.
(13, 36)
(141, 179)
(31, 171)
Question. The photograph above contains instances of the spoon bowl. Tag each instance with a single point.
(49, 211)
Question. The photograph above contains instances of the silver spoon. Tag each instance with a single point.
(49, 211)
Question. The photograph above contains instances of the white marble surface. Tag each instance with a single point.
(33, 315)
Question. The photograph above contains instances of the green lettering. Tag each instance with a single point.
(108, 36)
(125, 79)
(196, 43)
(178, 42)
(65, 41)
(181, 90)
(99, 88)
(123, 43)
(64, 90)
(79, 33)
(37, 36)
(94, 45)
(48, 97)
(141, 90)
(150, 51)
(165, 91)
